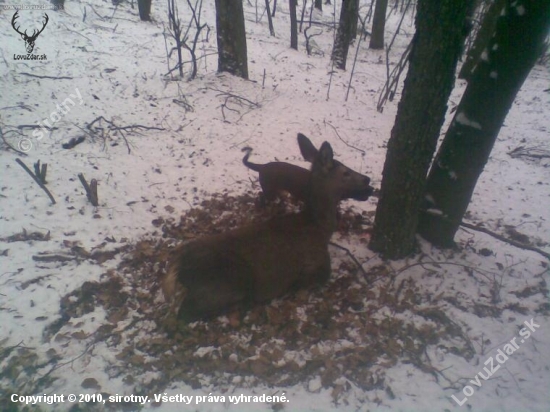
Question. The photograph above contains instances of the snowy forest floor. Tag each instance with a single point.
(80, 306)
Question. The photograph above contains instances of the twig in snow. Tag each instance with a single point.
(36, 126)
(76, 32)
(59, 365)
(52, 258)
(241, 101)
(36, 179)
(348, 252)
(506, 240)
(9, 145)
(91, 189)
(46, 77)
(237, 97)
(111, 126)
(40, 171)
(343, 141)
(97, 14)
(532, 152)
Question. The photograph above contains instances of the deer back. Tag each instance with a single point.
(278, 177)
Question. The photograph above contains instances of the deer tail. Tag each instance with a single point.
(250, 165)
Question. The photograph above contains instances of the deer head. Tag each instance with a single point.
(29, 40)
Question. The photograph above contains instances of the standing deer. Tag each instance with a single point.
(278, 177)
(262, 261)
(29, 40)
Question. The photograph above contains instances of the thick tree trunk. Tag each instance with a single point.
(502, 69)
(421, 111)
(293, 25)
(232, 56)
(482, 39)
(378, 25)
(348, 13)
(144, 7)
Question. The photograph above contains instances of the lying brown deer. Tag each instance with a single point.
(262, 261)
(278, 177)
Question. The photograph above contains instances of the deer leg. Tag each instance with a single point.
(211, 299)
(268, 189)
(316, 270)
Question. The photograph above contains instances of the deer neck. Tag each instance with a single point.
(321, 209)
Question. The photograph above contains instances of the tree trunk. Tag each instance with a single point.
(421, 111)
(348, 13)
(58, 4)
(303, 15)
(354, 22)
(232, 56)
(482, 38)
(144, 7)
(378, 25)
(293, 25)
(502, 69)
(319, 4)
(269, 19)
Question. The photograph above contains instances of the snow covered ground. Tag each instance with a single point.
(427, 326)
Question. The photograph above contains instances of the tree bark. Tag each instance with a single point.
(58, 4)
(348, 13)
(144, 7)
(436, 47)
(231, 35)
(354, 22)
(482, 39)
(293, 25)
(502, 69)
(378, 25)
(269, 19)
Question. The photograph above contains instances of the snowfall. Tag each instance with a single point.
(81, 312)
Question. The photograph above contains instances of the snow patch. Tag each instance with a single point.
(520, 10)
(463, 120)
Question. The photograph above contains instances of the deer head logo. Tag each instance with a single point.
(29, 40)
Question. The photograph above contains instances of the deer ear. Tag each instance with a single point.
(326, 154)
(306, 148)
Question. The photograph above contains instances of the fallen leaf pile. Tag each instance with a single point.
(344, 334)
